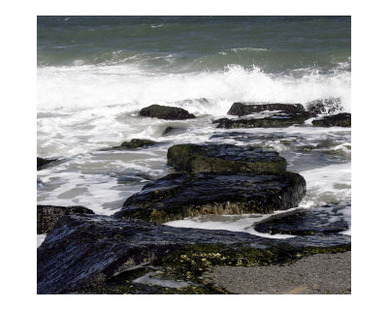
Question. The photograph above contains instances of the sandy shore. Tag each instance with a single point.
(316, 274)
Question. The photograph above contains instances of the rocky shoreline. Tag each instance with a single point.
(132, 252)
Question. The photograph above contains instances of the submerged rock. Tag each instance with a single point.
(169, 130)
(328, 219)
(43, 161)
(164, 112)
(48, 216)
(241, 109)
(177, 196)
(324, 106)
(275, 121)
(131, 145)
(135, 143)
(100, 254)
(195, 158)
(340, 120)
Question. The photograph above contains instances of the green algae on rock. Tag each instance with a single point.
(195, 158)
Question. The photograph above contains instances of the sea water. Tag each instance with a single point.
(96, 73)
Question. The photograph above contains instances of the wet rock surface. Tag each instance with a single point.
(341, 120)
(241, 109)
(164, 112)
(135, 143)
(48, 216)
(328, 219)
(83, 251)
(275, 121)
(194, 158)
(101, 254)
(177, 196)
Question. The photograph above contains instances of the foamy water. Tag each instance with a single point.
(91, 90)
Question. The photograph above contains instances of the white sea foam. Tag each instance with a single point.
(237, 223)
(74, 88)
(252, 49)
(328, 184)
(85, 108)
(40, 239)
(77, 104)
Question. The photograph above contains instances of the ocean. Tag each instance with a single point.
(95, 73)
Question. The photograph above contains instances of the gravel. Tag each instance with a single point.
(316, 274)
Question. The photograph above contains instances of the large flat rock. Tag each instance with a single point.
(101, 254)
(84, 251)
(195, 158)
(177, 196)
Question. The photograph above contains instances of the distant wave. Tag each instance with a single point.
(249, 49)
(86, 86)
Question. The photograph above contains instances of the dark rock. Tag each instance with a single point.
(84, 251)
(267, 122)
(328, 219)
(324, 106)
(48, 216)
(135, 143)
(167, 130)
(241, 109)
(177, 196)
(43, 161)
(172, 131)
(163, 112)
(341, 120)
(94, 254)
(194, 158)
